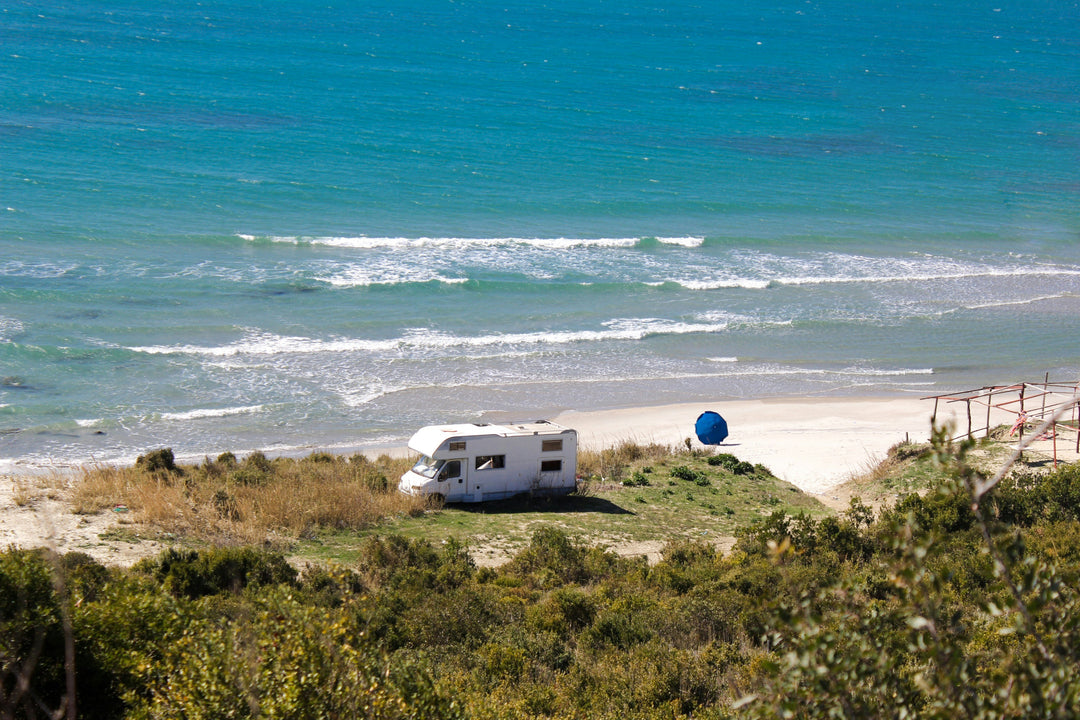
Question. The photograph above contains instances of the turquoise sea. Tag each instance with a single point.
(239, 225)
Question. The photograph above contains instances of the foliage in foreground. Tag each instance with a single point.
(939, 607)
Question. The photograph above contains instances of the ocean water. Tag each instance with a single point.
(226, 228)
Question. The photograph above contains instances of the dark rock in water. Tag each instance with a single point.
(13, 381)
(98, 432)
(10, 431)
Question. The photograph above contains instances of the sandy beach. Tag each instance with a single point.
(813, 443)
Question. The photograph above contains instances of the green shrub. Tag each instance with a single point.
(575, 607)
(33, 680)
(622, 625)
(682, 472)
(258, 461)
(943, 510)
(249, 476)
(84, 576)
(119, 639)
(292, 661)
(731, 463)
(394, 561)
(158, 460)
(551, 558)
(1026, 498)
(195, 574)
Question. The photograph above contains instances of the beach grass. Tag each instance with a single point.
(256, 500)
(910, 467)
(323, 506)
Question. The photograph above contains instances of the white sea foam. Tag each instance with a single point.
(357, 397)
(723, 359)
(722, 284)
(365, 277)
(1022, 301)
(561, 243)
(684, 241)
(36, 270)
(9, 327)
(271, 344)
(879, 372)
(210, 413)
(972, 273)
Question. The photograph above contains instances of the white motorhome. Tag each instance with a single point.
(472, 463)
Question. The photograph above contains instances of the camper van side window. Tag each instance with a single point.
(551, 445)
(551, 466)
(490, 462)
(457, 446)
(451, 469)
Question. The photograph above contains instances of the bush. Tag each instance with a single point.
(551, 558)
(943, 510)
(195, 574)
(32, 673)
(292, 661)
(682, 472)
(84, 576)
(157, 460)
(393, 561)
(1026, 499)
(622, 625)
(731, 463)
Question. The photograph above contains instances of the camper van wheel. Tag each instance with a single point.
(438, 499)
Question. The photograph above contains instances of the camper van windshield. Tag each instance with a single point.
(427, 467)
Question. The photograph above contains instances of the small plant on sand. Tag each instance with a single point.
(731, 463)
(157, 460)
(637, 479)
(682, 472)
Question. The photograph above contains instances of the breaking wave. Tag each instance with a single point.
(260, 343)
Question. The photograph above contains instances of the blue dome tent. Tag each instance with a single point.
(711, 429)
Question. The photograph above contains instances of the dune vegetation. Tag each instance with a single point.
(933, 606)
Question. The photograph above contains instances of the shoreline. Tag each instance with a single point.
(812, 442)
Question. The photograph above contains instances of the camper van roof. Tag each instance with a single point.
(428, 439)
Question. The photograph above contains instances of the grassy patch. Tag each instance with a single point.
(257, 500)
(322, 507)
(910, 467)
(662, 497)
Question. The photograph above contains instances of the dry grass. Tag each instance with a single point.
(610, 464)
(258, 500)
(23, 492)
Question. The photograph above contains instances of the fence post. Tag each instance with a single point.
(1023, 386)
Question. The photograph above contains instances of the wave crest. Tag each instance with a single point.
(363, 242)
(273, 344)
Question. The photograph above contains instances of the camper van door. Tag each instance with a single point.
(452, 479)
(550, 473)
